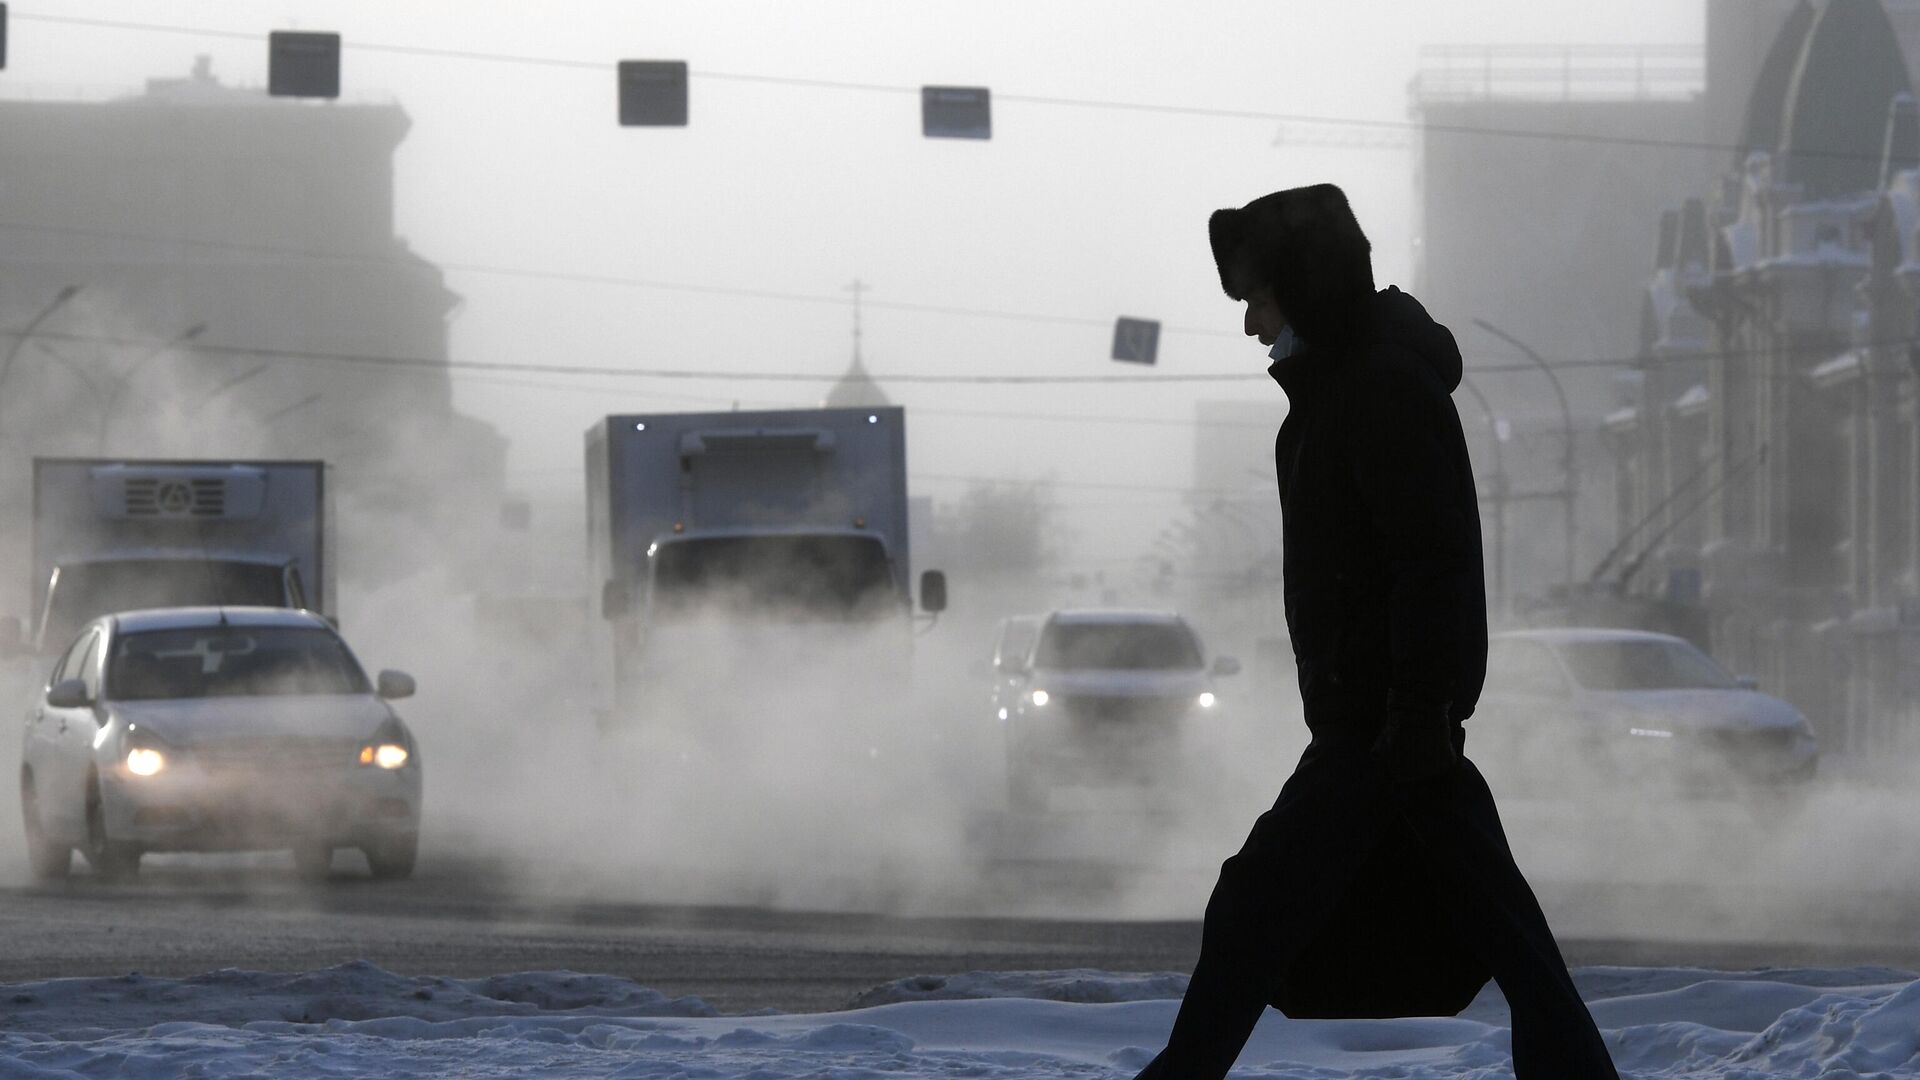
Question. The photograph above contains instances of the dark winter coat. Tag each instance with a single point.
(1385, 597)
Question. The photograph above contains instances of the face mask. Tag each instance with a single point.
(1285, 344)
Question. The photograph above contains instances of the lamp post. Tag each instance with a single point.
(113, 399)
(1566, 433)
(1499, 498)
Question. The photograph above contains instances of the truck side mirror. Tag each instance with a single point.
(933, 591)
(1226, 665)
(69, 694)
(393, 685)
(614, 601)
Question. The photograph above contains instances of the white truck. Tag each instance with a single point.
(115, 535)
(736, 552)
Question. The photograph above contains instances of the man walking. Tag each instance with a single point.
(1380, 883)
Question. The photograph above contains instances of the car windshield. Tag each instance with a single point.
(792, 578)
(1136, 646)
(1643, 665)
(231, 661)
(83, 591)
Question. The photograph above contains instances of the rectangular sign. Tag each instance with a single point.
(956, 112)
(653, 93)
(1136, 341)
(303, 64)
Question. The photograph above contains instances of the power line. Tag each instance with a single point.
(583, 278)
(1212, 112)
(677, 374)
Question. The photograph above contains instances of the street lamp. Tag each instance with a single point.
(106, 414)
(1566, 433)
(1499, 497)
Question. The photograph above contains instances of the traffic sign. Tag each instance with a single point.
(1136, 341)
(303, 64)
(956, 112)
(653, 93)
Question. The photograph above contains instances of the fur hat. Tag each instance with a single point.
(1304, 244)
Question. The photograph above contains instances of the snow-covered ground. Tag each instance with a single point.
(359, 1020)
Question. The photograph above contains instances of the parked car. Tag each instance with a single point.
(217, 729)
(1628, 707)
(1102, 697)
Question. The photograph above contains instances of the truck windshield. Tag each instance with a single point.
(83, 591)
(1643, 665)
(1124, 646)
(788, 578)
(237, 661)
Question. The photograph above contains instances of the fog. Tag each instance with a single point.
(511, 226)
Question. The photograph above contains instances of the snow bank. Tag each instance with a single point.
(359, 1020)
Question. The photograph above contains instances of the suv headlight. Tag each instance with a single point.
(1207, 699)
(1039, 698)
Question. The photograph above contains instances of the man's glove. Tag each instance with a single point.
(1416, 743)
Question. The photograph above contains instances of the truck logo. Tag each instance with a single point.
(174, 498)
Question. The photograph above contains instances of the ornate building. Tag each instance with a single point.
(1769, 472)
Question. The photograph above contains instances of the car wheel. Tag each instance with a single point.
(313, 860)
(47, 860)
(109, 858)
(392, 858)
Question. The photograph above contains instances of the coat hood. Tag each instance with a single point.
(1400, 320)
(1394, 320)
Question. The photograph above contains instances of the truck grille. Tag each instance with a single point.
(153, 496)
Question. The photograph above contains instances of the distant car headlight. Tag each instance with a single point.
(1039, 698)
(1650, 733)
(145, 761)
(385, 755)
(1207, 700)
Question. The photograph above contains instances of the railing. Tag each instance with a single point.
(1559, 73)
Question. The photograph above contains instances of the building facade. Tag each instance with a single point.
(239, 290)
(1769, 470)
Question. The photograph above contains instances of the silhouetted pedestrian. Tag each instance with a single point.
(1380, 883)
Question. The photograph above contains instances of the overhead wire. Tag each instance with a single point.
(1050, 100)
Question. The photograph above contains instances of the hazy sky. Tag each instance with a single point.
(1068, 211)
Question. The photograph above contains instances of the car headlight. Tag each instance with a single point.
(1207, 700)
(145, 761)
(1039, 698)
(385, 755)
(389, 748)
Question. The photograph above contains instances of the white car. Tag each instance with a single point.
(217, 729)
(1621, 707)
(1101, 696)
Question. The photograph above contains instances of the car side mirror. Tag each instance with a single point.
(1226, 665)
(69, 694)
(933, 592)
(615, 601)
(1747, 682)
(393, 685)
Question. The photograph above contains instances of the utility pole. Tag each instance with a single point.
(1567, 494)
